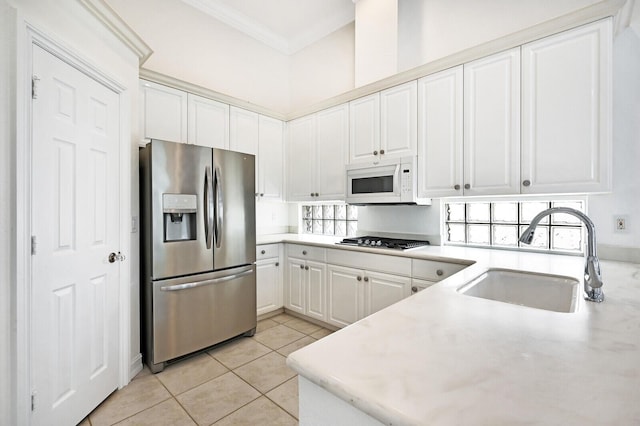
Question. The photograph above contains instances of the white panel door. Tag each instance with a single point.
(295, 285)
(364, 129)
(399, 121)
(344, 295)
(566, 110)
(492, 124)
(268, 293)
(75, 211)
(300, 162)
(315, 291)
(382, 290)
(208, 122)
(440, 130)
(332, 152)
(244, 131)
(163, 112)
(270, 158)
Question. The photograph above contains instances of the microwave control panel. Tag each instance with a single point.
(405, 179)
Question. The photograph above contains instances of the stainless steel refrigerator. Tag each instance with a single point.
(198, 285)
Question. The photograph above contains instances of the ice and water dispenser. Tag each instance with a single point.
(179, 216)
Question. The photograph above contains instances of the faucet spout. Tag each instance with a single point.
(592, 276)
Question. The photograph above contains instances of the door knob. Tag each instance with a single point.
(113, 257)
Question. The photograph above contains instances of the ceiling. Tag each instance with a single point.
(285, 25)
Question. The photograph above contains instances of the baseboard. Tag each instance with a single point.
(270, 314)
(135, 367)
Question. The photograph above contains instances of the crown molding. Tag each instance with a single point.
(230, 16)
(105, 14)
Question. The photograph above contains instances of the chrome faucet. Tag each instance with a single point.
(592, 278)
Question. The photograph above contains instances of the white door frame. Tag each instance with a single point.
(27, 36)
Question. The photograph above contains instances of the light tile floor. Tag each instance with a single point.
(243, 382)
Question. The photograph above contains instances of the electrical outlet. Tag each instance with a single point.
(620, 223)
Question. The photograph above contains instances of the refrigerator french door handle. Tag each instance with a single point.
(219, 208)
(208, 207)
(205, 282)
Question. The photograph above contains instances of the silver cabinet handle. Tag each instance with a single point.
(306, 268)
(277, 263)
(304, 252)
(219, 208)
(311, 194)
(375, 152)
(526, 183)
(301, 266)
(205, 282)
(359, 278)
(414, 289)
(262, 252)
(381, 151)
(366, 279)
(467, 186)
(262, 195)
(456, 187)
(316, 194)
(439, 272)
(208, 207)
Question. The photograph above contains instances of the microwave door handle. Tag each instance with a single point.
(208, 207)
(219, 208)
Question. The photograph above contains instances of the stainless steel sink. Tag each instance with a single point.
(541, 291)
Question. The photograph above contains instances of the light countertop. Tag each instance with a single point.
(440, 357)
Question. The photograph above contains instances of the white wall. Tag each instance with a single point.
(625, 199)
(7, 238)
(70, 24)
(323, 69)
(193, 47)
(272, 217)
(447, 26)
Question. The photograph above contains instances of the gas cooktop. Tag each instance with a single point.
(382, 242)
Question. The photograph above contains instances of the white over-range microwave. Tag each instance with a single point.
(386, 182)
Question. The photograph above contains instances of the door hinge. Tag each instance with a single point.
(33, 245)
(34, 86)
(33, 401)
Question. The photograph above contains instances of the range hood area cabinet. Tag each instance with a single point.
(317, 151)
(470, 120)
(174, 115)
(384, 125)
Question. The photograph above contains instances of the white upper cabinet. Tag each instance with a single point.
(440, 141)
(566, 111)
(270, 158)
(384, 125)
(399, 120)
(244, 130)
(208, 122)
(492, 124)
(331, 152)
(163, 112)
(317, 154)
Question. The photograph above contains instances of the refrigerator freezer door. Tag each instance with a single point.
(193, 313)
(178, 238)
(235, 203)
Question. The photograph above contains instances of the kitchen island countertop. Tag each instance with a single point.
(440, 357)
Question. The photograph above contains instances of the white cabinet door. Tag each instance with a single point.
(270, 157)
(566, 110)
(382, 290)
(440, 130)
(331, 152)
(268, 290)
(492, 124)
(300, 164)
(344, 295)
(364, 129)
(244, 130)
(163, 112)
(295, 284)
(208, 122)
(399, 121)
(315, 291)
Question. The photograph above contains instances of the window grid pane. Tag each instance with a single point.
(501, 223)
(329, 219)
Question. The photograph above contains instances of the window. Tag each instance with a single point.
(330, 219)
(500, 224)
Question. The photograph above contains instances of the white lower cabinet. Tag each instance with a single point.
(355, 293)
(268, 278)
(305, 284)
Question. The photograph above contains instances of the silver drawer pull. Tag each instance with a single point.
(262, 252)
(206, 282)
(439, 272)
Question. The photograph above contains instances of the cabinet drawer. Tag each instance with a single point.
(434, 271)
(306, 252)
(371, 262)
(266, 251)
